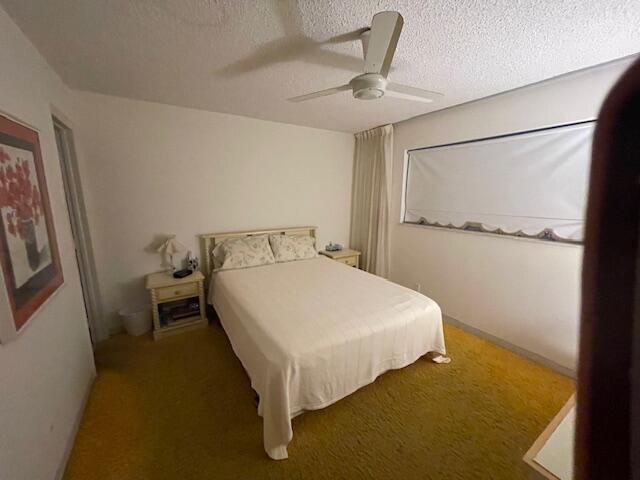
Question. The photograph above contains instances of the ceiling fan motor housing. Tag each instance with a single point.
(368, 86)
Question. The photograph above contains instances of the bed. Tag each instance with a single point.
(310, 332)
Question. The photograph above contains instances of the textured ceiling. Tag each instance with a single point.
(247, 57)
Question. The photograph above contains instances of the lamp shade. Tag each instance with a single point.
(171, 246)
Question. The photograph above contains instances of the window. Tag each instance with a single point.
(531, 184)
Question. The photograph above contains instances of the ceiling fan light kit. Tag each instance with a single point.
(378, 45)
(368, 86)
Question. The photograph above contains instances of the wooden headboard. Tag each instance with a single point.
(208, 241)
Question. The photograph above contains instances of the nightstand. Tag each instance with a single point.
(346, 256)
(178, 303)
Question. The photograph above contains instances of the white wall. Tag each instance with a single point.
(153, 169)
(44, 373)
(522, 291)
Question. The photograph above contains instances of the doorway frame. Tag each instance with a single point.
(79, 226)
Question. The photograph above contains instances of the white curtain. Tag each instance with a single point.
(532, 184)
(370, 198)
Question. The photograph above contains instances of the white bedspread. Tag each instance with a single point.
(314, 331)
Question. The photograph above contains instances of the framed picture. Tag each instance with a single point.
(29, 254)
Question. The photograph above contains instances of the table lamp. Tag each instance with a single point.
(170, 247)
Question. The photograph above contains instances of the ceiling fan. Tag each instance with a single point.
(378, 44)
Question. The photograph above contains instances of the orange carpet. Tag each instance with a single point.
(182, 408)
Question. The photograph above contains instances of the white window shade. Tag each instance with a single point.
(528, 184)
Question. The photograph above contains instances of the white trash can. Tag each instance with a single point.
(136, 319)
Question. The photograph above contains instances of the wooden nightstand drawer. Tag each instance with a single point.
(347, 256)
(351, 261)
(185, 290)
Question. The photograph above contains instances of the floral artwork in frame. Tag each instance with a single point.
(29, 254)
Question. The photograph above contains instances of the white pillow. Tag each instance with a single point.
(289, 247)
(242, 252)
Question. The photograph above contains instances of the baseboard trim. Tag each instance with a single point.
(74, 431)
(510, 346)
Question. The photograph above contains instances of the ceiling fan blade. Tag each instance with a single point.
(347, 37)
(321, 93)
(383, 39)
(411, 93)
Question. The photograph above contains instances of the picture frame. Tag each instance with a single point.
(29, 255)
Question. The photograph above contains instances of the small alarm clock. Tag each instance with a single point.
(333, 247)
